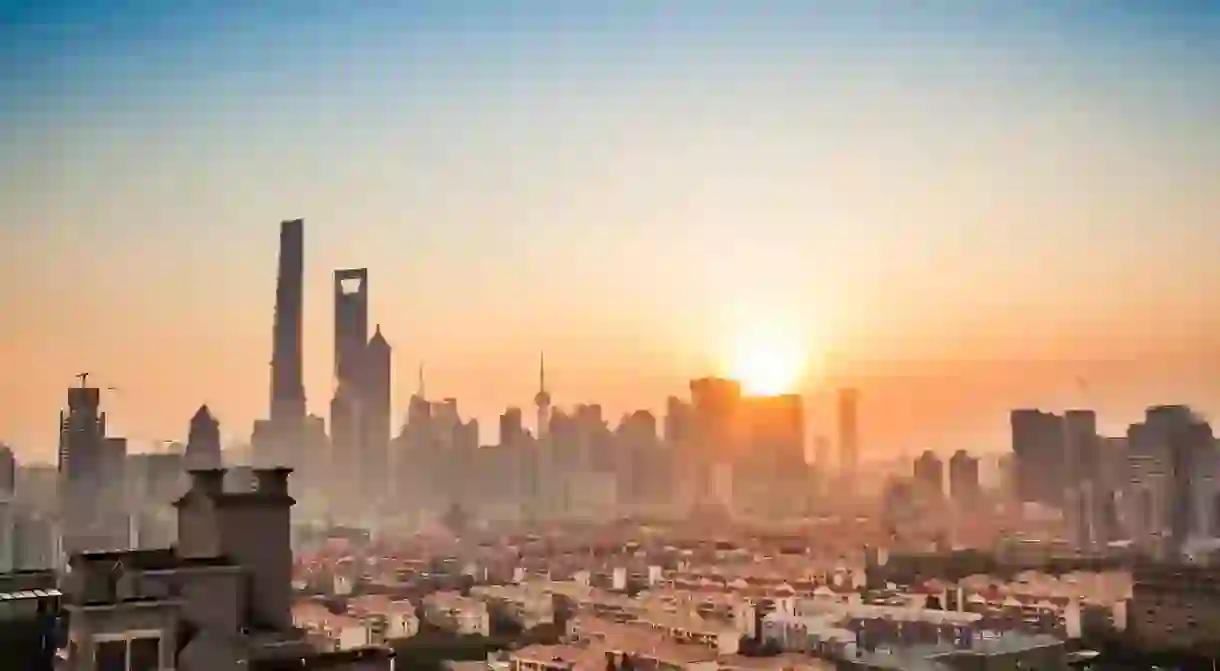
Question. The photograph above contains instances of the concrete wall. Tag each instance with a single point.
(215, 597)
(88, 624)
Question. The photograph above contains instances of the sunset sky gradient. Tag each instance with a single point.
(960, 208)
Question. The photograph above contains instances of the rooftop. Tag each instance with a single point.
(324, 660)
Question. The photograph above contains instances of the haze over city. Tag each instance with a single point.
(957, 212)
(628, 335)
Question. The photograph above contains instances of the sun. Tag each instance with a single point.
(767, 362)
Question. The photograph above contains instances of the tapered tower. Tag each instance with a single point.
(542, 400)
(287, 388)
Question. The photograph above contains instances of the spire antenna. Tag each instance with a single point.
(541, 372)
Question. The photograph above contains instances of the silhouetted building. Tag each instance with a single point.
(360, 411)
(542, 401)
(678, 419)
(1173, 466)
(278, 440)
(512, 429)
(715, 438)
(964, 478)
(203, 442)
(287, 386)
(770, 472)
(641, 466)
(849, 433)
(375, 390)
(1040, 462)
(1081, 447)
(345, 439)
(8, 471)
(351, 323)
(91, 474)
(929, 473)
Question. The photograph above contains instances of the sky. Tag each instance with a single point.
(957, 206)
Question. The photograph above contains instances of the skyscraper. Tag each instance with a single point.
(964, 478)
(350, 347)
(375, 392)
(287, 388)
(1040, 461)
(276, 439)
(1081, 448)
(542, 400)
(91, 475)
(714, 438)
(351, 322)
(930, 473)
(849, 455)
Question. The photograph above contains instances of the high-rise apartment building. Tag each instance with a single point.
(714, 437)
(964, 478)
(91, 476)
(929, 473)
(1039, 456)
(1173, 467)
(1081, 447)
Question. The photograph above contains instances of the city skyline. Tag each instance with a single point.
(511, 197)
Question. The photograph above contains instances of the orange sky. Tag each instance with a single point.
(628, 189)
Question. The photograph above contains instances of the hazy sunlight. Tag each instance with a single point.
(767, 362)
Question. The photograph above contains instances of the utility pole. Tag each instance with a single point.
(84, 378)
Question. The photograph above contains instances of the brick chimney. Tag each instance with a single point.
(255, 529)
(208, 481)
(272, 481)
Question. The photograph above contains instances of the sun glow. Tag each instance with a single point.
(768, 362)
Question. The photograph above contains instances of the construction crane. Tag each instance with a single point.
(84, 381)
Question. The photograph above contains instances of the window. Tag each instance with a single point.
(129, 651)
(110, 655)
(144, 654)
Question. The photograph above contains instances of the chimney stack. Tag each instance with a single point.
(208, 481)
(272, 481)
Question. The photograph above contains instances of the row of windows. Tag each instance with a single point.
(136, 654)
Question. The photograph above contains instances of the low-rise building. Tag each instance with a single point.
(1175, 607)
(221, 600)
(527, 604)
(389, 619)
(455, 613)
